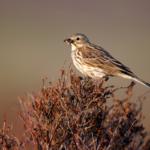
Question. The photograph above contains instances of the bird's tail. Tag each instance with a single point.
(141, 81)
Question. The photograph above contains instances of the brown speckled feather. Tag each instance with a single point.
(96, 56)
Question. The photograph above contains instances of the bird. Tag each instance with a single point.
(95, 62)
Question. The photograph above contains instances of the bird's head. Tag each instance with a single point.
(76, 41)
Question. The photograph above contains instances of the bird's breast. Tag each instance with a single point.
(84, 68)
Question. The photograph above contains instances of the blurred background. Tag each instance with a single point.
(32, 47)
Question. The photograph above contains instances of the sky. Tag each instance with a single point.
(32, 47)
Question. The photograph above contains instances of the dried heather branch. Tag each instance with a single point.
(76, 116)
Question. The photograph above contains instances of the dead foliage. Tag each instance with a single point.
(75, 115)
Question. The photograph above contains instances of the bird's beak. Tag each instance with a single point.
(68, 41)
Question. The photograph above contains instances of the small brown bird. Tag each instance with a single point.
(96, 62)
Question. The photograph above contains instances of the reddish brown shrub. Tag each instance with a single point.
(76, 116)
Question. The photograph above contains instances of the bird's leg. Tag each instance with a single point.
(98, 80)
(104, 77)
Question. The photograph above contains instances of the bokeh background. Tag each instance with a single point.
(32, 47)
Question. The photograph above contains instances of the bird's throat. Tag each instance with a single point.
(73, 47)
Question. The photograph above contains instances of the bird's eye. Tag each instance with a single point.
(78, 38)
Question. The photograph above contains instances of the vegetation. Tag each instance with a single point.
(75, 115)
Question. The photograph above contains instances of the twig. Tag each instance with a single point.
(27, 127)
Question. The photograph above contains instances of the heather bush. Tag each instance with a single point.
(76, 116)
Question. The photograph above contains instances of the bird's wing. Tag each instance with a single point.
(96, 56)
